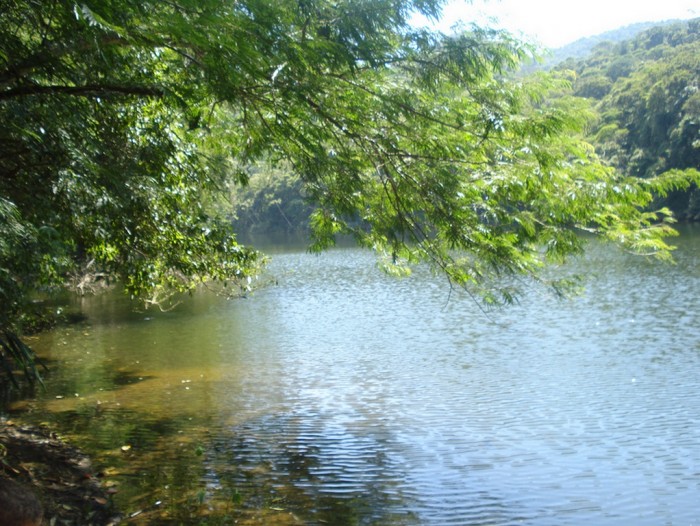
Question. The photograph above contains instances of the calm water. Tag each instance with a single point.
(343, 396)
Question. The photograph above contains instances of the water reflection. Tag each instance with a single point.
(342, 396)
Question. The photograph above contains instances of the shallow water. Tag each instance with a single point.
(343, 396)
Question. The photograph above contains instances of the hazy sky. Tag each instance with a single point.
(558, 22)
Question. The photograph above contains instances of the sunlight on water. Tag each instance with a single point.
(343, 396)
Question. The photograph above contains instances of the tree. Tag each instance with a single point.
(121, 118)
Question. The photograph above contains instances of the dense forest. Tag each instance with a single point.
(646, 92)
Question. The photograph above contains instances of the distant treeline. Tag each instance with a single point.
(271, 203)
(645, 90)
(582, 48)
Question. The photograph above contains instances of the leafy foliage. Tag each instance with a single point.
(14, 355)
(100, 166)
(123, 118)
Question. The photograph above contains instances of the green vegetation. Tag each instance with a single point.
(272, 203)
(124, 120)
(648, 95)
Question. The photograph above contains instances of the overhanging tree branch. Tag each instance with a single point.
(87, 90)
(49, 53)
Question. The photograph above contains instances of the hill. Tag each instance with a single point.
(583, 47)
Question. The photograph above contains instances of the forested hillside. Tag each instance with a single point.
(582, 48)
(648, 96)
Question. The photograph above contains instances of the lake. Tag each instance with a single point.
(340, 395)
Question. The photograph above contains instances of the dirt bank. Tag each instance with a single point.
(60, 475)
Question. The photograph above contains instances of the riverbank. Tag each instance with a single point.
(60, 475)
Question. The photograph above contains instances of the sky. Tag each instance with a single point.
(554, 23)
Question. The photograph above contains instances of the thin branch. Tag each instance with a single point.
(50, 51)
(88, 90)
(403, 106)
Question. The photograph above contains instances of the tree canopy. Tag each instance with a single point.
(122, 119)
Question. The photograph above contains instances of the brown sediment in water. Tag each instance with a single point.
(60, 475)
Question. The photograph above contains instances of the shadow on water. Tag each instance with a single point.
(178, 470)
(298, 465)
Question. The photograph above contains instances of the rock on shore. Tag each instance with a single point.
(59, 474)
